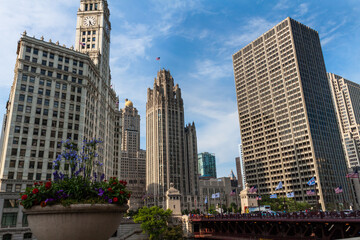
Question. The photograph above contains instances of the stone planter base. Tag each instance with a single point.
(76, 222)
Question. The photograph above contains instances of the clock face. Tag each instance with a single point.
(89, 21)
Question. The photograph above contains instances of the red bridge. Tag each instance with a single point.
(315, 225)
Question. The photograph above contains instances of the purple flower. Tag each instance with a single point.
(110, 200)
(101, 192)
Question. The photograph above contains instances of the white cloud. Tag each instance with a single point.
(301, 10)
(282, 5)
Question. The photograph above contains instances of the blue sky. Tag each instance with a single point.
(195, 40)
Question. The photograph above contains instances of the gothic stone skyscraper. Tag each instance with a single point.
(133, 159)
(170, 152)
(57, 93)
(347, 103)
(288, 125)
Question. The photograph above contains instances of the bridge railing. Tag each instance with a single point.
(294, 215)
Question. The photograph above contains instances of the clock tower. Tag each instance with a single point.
(93, 34)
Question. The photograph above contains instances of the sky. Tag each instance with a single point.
(195, 40)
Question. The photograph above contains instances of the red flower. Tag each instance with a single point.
(110, 189)
(48, 185)
(24, 197)
(41, 183)
(115, 199)
(43, 204)
(121, 192)
(129, 195)
(114, 183)
(35, 191)
(35, 183)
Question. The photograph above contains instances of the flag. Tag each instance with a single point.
(311, 181)
(206, 200)
(82, 44)
(310, 192)
(338, 190)
(253, 189)
(215, 195)
(233, 192)
(279, 186)
(258, 198)
(355, 174)
(290, 195)
(273, 195)
(158, 58)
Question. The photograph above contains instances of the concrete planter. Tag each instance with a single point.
(78, 221)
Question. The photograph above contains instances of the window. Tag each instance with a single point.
(11, 175)
(59, 66)
(58, 75)
(91, 6)
(43, 62)
(34, 60)
(89, 32)
(21, 97)
(39, 101)
(28, 109)
(67, 60)
(20, 108)
(17, 129)
(60, 58)
(18, 186)
(28, 49)
(24, 222)
(44, 122)
(25, 130)
(22, 152)
(41, 154)
(12, 163)
(50, 73)
(64, 87)
(38, 176)
(24, 141)
(93, 46)
(86, 8)
(42, 71)
(81, 64)
(47, 93)
(30, 176)
(50, 163)
(66, 68)
(15, 141)
(41, 82)
(33, 69)
(26, 119)
(8, 220)
(26, 68)
(31, 89)
(51, 64)
(75, 62)
(47, 102)
(39, 165)
(32, 164)
(48, 83)
(93, 38)
(24, 77)
(27, 236)
(80, 72)
(51, 55)
(18, 118)
(21, 164)
(9, 187)
(11, 203)
(43, 132)
(46, 112)
(45, 54)
(38, 110)
(29, 99)
(35, 132)
(56, 104)
(63, 105)
(23, 87)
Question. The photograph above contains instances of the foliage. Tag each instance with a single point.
(185, 212)
(76, 185)
(212, 209)
(153, 220)
(277, 204)
(173, 233)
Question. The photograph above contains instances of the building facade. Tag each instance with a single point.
(346, 95)
(207, 165)
(133, 160)
(57, 93)
(288, 124)
(171, 149)
(228, 194)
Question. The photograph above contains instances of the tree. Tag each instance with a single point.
(153, 220)
(173, 232)
(233, 207)
(277, 204)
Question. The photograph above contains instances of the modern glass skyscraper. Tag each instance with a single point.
(288, 124)
(347, 103)
(207, 164)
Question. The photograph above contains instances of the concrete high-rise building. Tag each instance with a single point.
(288, 124)
(346, 96)
(240, 169)
(57, 93)
(207, 165)
(171, 149)
(132, 166)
